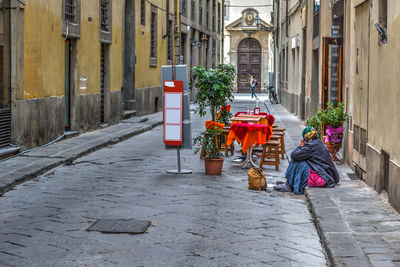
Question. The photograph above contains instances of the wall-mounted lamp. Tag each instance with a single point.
(260, 27)
(257, 20)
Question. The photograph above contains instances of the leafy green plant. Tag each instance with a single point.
(334, 116)
(225, 116)
(208, 141)
(214, 88)
(315, 122)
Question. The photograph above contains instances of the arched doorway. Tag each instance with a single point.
(249, 62)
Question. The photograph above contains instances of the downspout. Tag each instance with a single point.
(222, 31)
(276, 48)
(9, 51)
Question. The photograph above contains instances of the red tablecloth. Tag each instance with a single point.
(249, 134)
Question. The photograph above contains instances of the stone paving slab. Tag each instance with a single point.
(29, 165)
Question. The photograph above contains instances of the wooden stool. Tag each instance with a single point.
(281, 137)
(270, 154)
(223, 139)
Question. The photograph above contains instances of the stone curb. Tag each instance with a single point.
(334, 234)
(51, 163)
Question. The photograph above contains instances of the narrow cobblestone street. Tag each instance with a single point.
(197, 220)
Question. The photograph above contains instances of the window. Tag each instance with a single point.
(317, 5)
(71, 12)
(193, 10)
(213, 17)
(201, 15)
(105, 21)
(219, 18)
(143, 12)
(208, 15)
(182, 49)
(169, 49)
(153, 37)
(184, 8)
(226, 10)
(382, 21)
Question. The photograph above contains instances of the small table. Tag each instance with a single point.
(248, 135)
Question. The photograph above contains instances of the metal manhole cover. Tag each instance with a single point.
(119, 226)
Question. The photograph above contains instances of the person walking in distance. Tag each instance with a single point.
(253, 84)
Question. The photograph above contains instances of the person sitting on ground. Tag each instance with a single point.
(311, 165)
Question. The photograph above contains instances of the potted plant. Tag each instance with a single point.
(214, 91)
(333, 118)
(315, 122)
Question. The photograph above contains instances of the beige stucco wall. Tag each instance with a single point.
(234, 12)
(295, 54)
(384, 84)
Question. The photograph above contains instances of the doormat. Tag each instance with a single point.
(353, 176)
(119, 226)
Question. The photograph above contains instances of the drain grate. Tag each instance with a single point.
(119, 226)
(353, 176)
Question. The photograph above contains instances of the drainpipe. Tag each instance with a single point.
(222, 31)
(276, 47)
(9, 50)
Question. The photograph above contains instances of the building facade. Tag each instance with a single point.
(65, 67)
(81, 65)
(248, 46)
(350, 57)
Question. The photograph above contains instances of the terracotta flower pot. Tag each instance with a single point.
(333, 149)
(213, 166)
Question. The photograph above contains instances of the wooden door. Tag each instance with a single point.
(361, 83)
(332, 71)
(249, 62)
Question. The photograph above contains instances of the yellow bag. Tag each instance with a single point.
(257, 179)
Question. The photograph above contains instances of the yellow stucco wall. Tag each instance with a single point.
(116, 48)
(146, 76)
(89, 47)
(43, 49)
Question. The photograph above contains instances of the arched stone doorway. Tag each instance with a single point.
(249, 62)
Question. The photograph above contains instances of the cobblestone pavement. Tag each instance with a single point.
(197, 220)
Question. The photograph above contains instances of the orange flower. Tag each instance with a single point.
(227, 108)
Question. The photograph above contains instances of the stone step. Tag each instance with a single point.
(9, 151)
(71, 134)
(130, 104)
(128, 114)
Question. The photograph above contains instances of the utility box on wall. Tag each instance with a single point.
(179, 73)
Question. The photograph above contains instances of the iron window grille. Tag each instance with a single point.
(69, 10)
(143, 12)
(170, 54)
(153, 37)
(104, 6)
(105, 10)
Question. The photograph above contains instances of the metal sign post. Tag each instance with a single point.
(173, 118)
